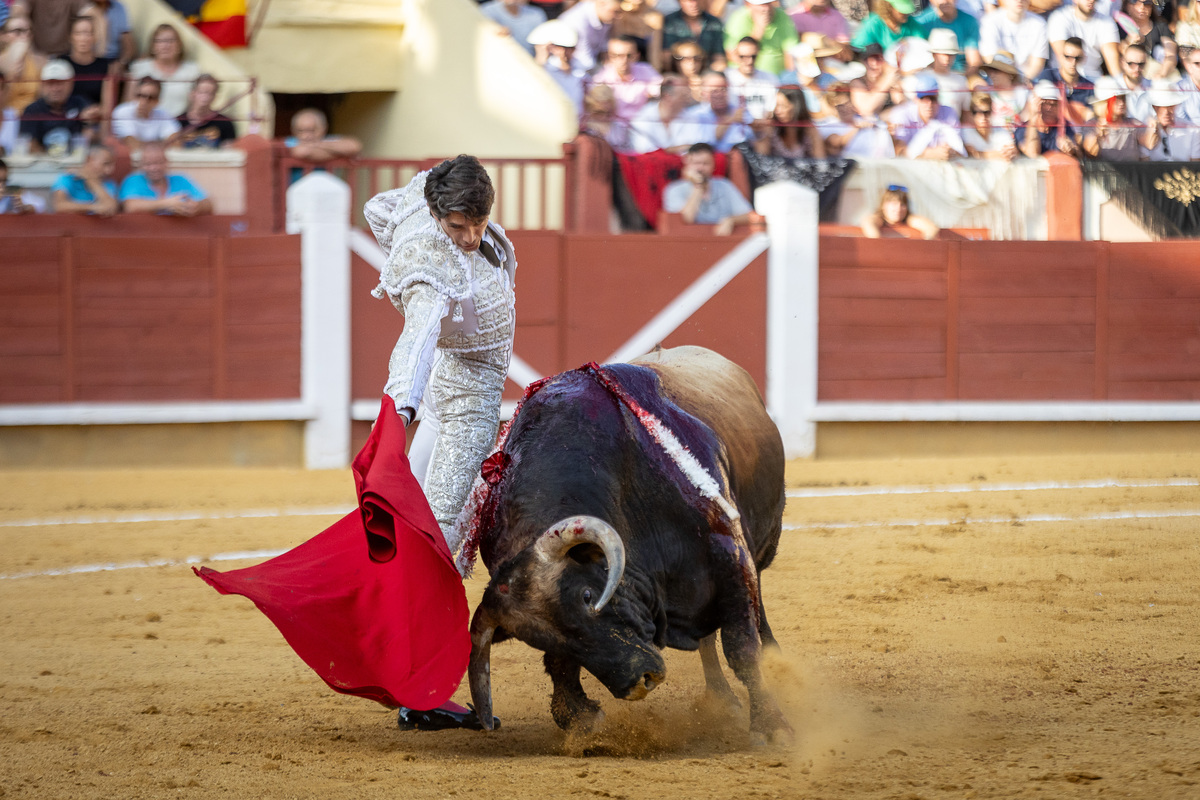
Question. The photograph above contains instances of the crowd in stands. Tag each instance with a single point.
(921, 79)
(72, 87)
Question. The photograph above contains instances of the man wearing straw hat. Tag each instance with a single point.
(952, 86)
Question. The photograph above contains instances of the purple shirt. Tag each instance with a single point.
(593, 34)
(630, 95)
(831, 23)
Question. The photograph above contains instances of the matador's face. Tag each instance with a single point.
(463, 231)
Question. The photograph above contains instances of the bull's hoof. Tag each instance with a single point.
(772, 729)
(440, 719)
(580, 717)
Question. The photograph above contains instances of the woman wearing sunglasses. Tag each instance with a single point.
(1140, 22)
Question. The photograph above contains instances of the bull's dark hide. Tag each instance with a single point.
(634, 387)
(1161, 196)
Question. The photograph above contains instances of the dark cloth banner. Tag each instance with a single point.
(1161, 196)
(822, 175)
(373, 604)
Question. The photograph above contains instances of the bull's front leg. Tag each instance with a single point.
(570, 706)
(743, 651)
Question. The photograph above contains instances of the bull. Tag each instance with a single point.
(603, 548)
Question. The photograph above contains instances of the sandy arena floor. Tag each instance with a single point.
(1031, 636)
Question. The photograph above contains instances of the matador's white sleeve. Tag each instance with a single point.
(412, 357)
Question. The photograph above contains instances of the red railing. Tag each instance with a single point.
(531, 193)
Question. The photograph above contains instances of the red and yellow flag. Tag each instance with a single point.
(224, 22)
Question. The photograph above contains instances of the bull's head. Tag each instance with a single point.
(564, 595)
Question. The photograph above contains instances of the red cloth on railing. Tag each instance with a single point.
(373, 604)
(647, 174)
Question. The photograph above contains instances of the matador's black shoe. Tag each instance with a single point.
(440, 719)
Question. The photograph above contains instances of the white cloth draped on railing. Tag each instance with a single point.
(1006, 198)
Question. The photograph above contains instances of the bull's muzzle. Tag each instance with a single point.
(647, 684)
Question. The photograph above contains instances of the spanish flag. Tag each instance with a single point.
(224, 22)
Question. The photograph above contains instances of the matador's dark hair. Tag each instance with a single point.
(460, 184)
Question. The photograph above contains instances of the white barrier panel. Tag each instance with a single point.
(318, 209)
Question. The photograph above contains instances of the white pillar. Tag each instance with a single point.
(319, 210)
(792, 215)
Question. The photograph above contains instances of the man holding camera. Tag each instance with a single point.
(702, 199)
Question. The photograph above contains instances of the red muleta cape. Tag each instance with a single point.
(373, 604)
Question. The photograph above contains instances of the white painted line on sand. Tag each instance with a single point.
(180, 516)
(1033, 486)
(84, 569)
(1001, 520)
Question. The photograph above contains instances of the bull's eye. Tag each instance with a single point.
(587, 596)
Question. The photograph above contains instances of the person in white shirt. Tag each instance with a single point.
(1189, 84)
(953, 91)
(516, 17)
(1133, 79)
(661, 125)
(554, 48)
(1011, 28)
(751, 88)
(142, 119)
(1098, 33)
(984, 140)
(1165, 140)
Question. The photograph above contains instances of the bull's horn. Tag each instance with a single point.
(479, 669)
(565, 534)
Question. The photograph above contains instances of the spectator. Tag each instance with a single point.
(591, 20)
(888, 23)
(770, 26)
(1045, 131)
(848, 134)
(688, 60)
(818, 16)
(644, 24)
(1112, 136)
(718, 122)
(114, 34)
(893, 212)
(91, 190)
(1097, 33)
(944, 14)
(12, 199)
(600, 117)
(1141, 23)
(1187, 26)
(983, 139)
(1165, 140)
(953, 91)
(516, 17)
(91, 70)
(703, 199)
(1189, 85)
(10, 121)
(200, 125)
(310, 139)
(168, 65)
(633, 82)
(20, 62)
(1076, 88)
(554, 44)
(790, 132)
(662, 125)
(153, 190)
(55, 122)
(142, 119)
(1008, 99)
(924, 128)
(750, 87)
(1014, 30)
(692, 21)
(872, 93)
(51, 21)
(806, 73)
(1133, 79)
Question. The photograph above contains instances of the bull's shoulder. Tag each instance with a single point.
(705, 383)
